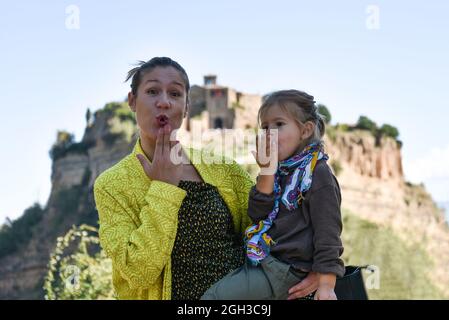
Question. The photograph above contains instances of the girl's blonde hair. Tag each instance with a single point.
(301, 106)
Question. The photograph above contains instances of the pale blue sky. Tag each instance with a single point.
(397, 74)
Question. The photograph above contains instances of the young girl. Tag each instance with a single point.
(296, 211)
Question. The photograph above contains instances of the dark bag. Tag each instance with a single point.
(351, 286)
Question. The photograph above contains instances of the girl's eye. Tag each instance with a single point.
(176, 94)
(152, 91)
(279, 124)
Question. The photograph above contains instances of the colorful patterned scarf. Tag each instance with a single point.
(257, 240)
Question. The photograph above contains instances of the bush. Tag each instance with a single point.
(324, 111)
(389, 131)
(65, 144)
(121, 110)
(336, 167)
(343, 127)
(18, 232)
(364, 123)
(78, 268)
(402, 266)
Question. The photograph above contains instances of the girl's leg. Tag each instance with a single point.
(245, 283)
(280, 276)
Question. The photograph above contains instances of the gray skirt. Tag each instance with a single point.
(270, 280)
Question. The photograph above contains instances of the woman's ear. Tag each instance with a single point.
(132, 101)
(187, 109)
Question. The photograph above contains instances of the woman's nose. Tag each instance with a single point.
(163, 101)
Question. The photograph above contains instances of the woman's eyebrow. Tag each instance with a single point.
(173, 82)
(178, 83)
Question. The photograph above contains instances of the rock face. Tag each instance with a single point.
(369, 171)
(373, 187)
(70, 203)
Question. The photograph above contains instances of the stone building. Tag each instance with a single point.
(213, 106)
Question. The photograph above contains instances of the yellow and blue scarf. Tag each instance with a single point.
(302, 165)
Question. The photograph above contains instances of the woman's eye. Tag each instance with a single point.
(152, 91)
(279, 124)
(176, 94)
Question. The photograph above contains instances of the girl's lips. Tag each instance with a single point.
(162, 120)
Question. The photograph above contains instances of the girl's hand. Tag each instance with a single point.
(162, 168)
(325, 293)
(267, 152)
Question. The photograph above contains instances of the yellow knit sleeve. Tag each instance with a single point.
(242, 183)
(139, 252)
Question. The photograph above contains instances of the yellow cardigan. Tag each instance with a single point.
(139, 217)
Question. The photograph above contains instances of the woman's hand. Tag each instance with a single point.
(307, 286)
(162, 168)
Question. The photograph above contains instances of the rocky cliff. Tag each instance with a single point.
(369, 171)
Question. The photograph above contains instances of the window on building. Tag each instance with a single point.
(218, 123)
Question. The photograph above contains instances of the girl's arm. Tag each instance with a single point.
(265, 184)
(326, 286)
(324, 206)
(261, 198)
(325, 217)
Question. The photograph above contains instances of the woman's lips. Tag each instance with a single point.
(162, 120)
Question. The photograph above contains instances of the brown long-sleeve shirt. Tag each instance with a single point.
(308, 238)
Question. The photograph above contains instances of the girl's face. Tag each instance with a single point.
(291, 135)
(160, 92)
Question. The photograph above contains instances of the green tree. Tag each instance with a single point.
(16, 233)
(78, 268)
(324, 111)
(389, 131)
(365, 123)
(64, 140)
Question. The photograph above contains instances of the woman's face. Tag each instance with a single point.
(161, 92)
(290, 134)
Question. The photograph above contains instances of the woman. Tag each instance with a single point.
(171, 229)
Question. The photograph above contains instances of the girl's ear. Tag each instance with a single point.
(132, 101)
(308, 129)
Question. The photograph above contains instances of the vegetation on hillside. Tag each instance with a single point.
(17, 233)
(403, 268)
(78, 269)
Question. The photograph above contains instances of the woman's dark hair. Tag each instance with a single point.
(136, 73)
